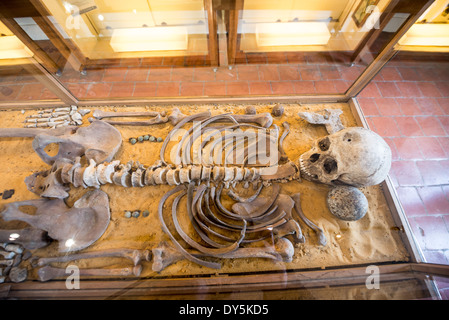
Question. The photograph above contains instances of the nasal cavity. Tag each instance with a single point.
(314, 157)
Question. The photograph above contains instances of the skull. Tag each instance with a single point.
(353, 156)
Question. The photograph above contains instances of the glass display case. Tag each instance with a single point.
(127, 177)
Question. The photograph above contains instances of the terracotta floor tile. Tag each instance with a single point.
(444, 142)
(408, 148)
(389, 89)
(173, 61)
(350, 73)
(237, 88)
(390, 74)
(282, 87)
(289, 72)
(429, 106)
(430, 148)
(411, 201)
(329, 72)
(432, 232)
(137, 74)
(99, 90)
(160, 74)
(260, 87)
(182, 74)
(406, 173)
(341, 85)
(444, 122)
(385, 126)
(122, 89)
(145, 89)
(325, 87)
(226, 74)
(276, 57)
(443, 86)
(408, 126)
(167, 89)
(433, 172)
(444, 104)
(256, 57)
(114, 74)
(431, 126)
(370, 91)
(47, 94)
(304, 87)
(408, 74)
(151, 61)
(192, 88)
(409, 106)
(388, 107)
(309, 73)
(214, 88)
(408, 89)
(78, 89)
(368, 106)
(30, 92)
(429, 89)
(296, 57)
(394, 151)
(247, 72)
(269, 73)
(203, 74)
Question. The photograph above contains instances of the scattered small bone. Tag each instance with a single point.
(347, 203)
(7, 254)
(278, 110)
(29, 238)
(17, 274)
(49, 273)
(7, 263)
(7, 194)
(330, 118)
(250, 110)
(135, 255)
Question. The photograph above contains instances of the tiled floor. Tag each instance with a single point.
(407, 104)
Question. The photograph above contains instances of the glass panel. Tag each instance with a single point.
(431, 32)
(19, 72)
(320, 47)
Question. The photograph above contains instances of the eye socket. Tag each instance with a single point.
(314, 157)
(330, 165)
(324, 144)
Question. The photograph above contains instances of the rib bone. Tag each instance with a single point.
(165, 255)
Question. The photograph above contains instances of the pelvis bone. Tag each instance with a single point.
(75, 228)
(98, 141)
